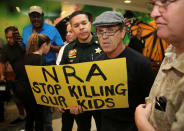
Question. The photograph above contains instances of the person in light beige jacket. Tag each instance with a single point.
(165, 111)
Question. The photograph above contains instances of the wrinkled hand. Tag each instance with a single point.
(60, 110)
(142, 114)
(76, 110)
(143, 111)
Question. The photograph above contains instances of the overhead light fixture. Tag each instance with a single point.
(18, 9)
(127, 1)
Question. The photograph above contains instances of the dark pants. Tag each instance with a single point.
(47, 117)
(67, 121)
(1, 111)
(35, 112)
(34, 118)
(4, 96)
(84, 120)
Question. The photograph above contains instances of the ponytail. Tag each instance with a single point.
(35, 42)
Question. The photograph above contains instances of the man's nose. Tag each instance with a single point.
(81, 26)
(155, 12)
(104, 35)
(8, 39)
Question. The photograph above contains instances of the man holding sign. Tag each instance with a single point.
(111, 31)
(84, 49)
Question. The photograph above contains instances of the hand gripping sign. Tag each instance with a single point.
(93, 85)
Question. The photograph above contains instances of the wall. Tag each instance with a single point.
(10, 16)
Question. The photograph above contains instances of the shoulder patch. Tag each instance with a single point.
(72, 53)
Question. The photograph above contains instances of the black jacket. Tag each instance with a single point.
(76, 52)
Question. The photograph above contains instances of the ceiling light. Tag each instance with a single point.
(18, 9)
(127, 1)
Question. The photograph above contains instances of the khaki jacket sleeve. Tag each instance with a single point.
(178, 108)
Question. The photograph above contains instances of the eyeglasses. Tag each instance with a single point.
(162, 5)
(109, 32)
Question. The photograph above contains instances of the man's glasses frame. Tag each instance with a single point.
(162, 5)
(107, 33)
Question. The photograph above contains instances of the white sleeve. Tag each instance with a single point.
(60, 55)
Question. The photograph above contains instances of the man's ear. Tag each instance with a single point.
(43, 45)
(123, 32)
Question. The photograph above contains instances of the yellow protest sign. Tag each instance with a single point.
(93, 85)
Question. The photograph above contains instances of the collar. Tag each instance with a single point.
(179, 63)
(43, 27)
(171, 62)
(93, 40)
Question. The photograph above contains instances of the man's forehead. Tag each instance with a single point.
(68, 26)
(159, 0)
(34, 13)
(10, 32)
(106, 26)
(80, 17)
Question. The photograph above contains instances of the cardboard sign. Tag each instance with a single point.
(93, 85)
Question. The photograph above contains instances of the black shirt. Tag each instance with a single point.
(137, 44)
(13, 54)
(35, 59)
(140, 80)
(32, 59)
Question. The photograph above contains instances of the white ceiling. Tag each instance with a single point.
(136, 5)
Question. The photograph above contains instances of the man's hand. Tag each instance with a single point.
(55, 48)
(142, 114)
(143, 111)
(2, 78)
(60, 110)
(76, 110)
(2, 70)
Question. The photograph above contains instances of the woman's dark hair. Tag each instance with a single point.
(35, 42)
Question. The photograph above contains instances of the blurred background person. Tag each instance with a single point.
(38, 25)
(110, 28)
(38, 45)
(70, 36)
(165, 110)
(13, 52)
(84, 49)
